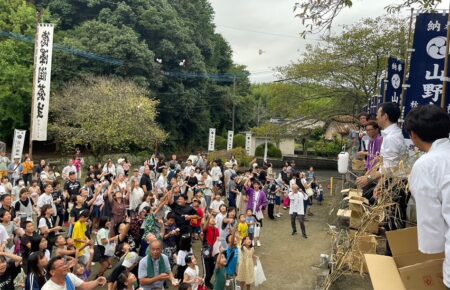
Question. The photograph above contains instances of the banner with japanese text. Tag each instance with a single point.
(212, 139)
(41, 84)
(427, 62)
(248, 142)
(18, 142)
(230, 140)
(394, 79)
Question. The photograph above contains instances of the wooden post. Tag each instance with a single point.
(331, 186)
(405, 71)
(445, 81)
(38, 20)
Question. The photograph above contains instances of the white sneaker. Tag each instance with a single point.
(278, 215)
(258, 243)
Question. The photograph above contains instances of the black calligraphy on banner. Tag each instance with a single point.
(394, 82)
(427, 62)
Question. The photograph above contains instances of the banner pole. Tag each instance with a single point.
(33, 90)
(405, 72)
(445, 81)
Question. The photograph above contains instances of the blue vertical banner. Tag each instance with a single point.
(394, 82)
(427, 62)
(373, 105)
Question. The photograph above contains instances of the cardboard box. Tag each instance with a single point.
(356, 221)
(355, 193)
(344, 213)
(364, 245)
(407, 269)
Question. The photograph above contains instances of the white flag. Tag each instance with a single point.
(230, 140)
(212, 139)
(248, 142)
(41, 84)
(19, 141)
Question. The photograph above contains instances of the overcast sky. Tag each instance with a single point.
(270, 26)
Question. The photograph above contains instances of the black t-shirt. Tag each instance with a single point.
(76, 212)
(145, 180)
(73, 188)
(179, 213)
(192, 181)
(7, 279)
(34, 240)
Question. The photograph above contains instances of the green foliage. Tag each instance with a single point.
(221, 143)
(239, 153)
(87, 113)
(318, 16)
(16, 67)
(136, 33)
(336, 76)
(328, 148)
(272, 151)
(239, 141)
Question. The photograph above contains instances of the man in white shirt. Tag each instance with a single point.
(187, 169)
(62, 279)
(216, 174)
(393, 149)
(429, 182)
(66, 170)
(47, 198)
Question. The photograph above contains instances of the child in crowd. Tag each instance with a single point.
(191, 274)
(250, 220)
(215, 204)
(246, 272)
(320, 194)
(220, 272)
(242, 228)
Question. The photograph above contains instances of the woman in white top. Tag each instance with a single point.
(102, 241)
(137, 193)
(161, 184)
(192, 273)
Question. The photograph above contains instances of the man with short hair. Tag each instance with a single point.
(154, 268)
(69, 168)
(15, 170)
(187, 169)
(429, 181)
(374, 145)
(72, 186)
(146, 182)
(62, 279)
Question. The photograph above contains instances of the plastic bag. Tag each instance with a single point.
(109, 249)
(259, 274)
(257, 231)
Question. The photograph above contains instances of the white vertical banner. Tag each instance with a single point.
(248, 142)
(41, 84)
(212, 139)
(19, 141)
(230, 140)
(265, 151)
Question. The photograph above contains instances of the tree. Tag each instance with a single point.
(338, 77)
(104, 114)
(16, 67)
(318, 15)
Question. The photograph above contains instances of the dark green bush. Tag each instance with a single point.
(239, 141)
(272, 151)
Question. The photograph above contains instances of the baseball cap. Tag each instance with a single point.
(130, 259)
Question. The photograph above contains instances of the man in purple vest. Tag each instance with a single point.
(257, 203)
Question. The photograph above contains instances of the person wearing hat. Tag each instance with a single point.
(119, 167)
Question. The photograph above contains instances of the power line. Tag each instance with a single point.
(268, 33)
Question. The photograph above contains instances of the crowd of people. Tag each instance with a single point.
(128, 227)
